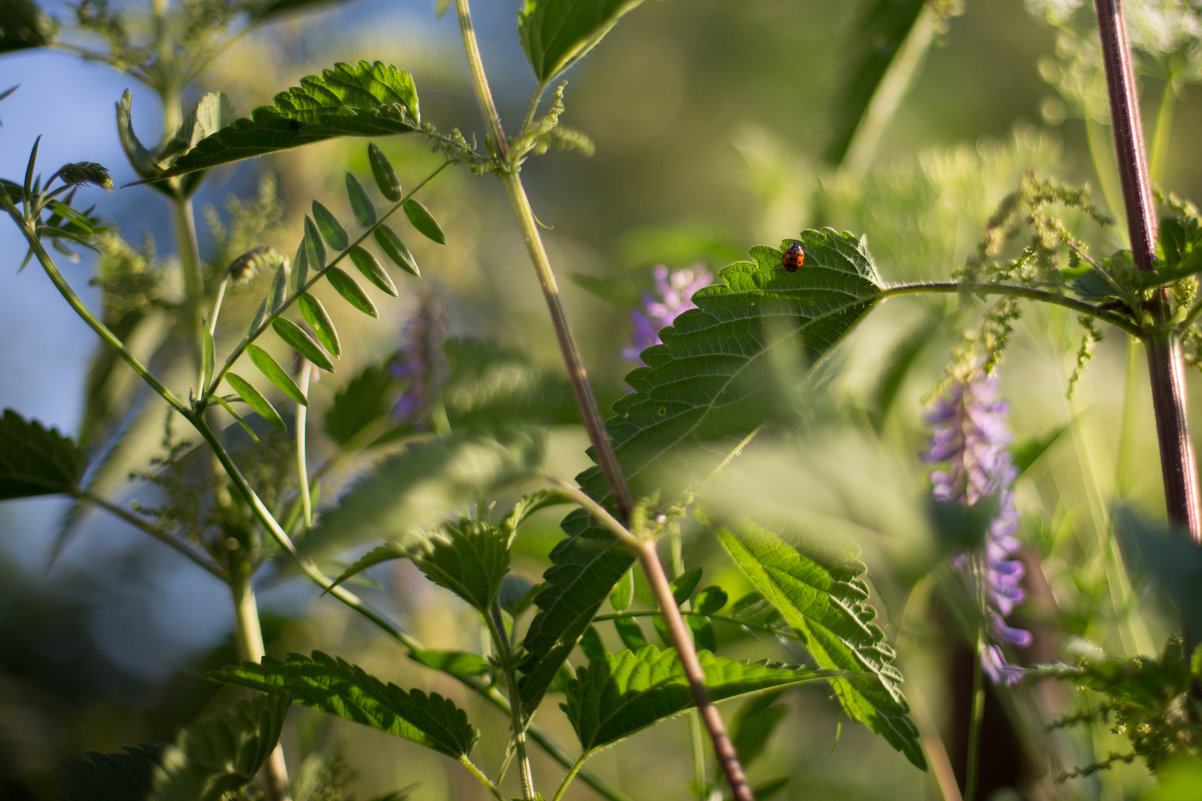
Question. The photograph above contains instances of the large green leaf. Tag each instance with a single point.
(339, 688)
(362, 406)
(360, 100)
(110, 777)
(35, 460)
(816, 586)
(470, 558)
(418, 487)
(220, 754)
(557, 33)
(701, 394)
(620, 693)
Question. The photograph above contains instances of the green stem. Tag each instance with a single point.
(498, 145)
(974, 724)
(189, 258)
(1015, 291)
(483, 779)
(302, 466)
(517, 720)
(188, 550)
(563, 786)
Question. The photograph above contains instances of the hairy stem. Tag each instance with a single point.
(517, 720)
(1166, 370)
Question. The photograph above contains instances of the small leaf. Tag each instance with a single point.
(351, 292)
(331, 230)
(423, 221)
(265, 10)
(317, 318)
(365, 401)
(314, 249)
(361, 205)
(361, 100)
(395, 249)
(372, 271)
(110, 777)
(460, 664)
(279, 289)
(35, 460)
(817, 587)
(381, 553)
(711, 600)
(621, 693)
(339, 688)
(301, 342)
(255, 400)
(684, 584)
(470, 558)
(629, 632)
(622, 593)
(557, 33)
(216, 757)
(306, 254)
(385, 175)
(270, 368)
(753, 726)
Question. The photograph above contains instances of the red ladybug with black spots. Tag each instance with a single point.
(793, 257)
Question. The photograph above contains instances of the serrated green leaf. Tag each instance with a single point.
(331, 230)
(361, 205)
(23, 24)
(255, 400)
(301, 342)
(816, 587)
(372, 271)
(339, 688)
(470, 558)
(621, 693)
(110, 777)
(381, 169)
(350, 291)
(271, 369)
(700, 395)
(424, 221)
(408, 493)
(395, 249)
(217, 756)
(360, 100)
(557, 33)
(491, 387)
(364, 402)
(35, 460)
(317, 318)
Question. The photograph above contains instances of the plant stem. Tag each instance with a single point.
(728, 760)
(977, 716)
(496, 627)
(1166, 369)
(187, 549)
(563, 786)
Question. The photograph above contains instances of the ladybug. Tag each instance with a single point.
(793, 257)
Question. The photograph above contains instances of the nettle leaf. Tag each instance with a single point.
(255, 400)
(470, 558)
(110, 777)
(331, 685)
(372, 271)
(219, 755)
(557, 33)
(618, 694)
(271, 369)
(415, 489)
(817, 588)
(361, 100)
(421, 219)
(300, 341)
(489, 386)
(365, 402)
(699, 397)
(35, 460)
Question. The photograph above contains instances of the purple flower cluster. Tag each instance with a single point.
(970, 435)
(673, 296)
(420, 360)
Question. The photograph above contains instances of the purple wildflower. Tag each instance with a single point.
(673, 296)
(420, 360)
(969, 433)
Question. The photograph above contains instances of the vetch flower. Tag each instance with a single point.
(420, 359)
(970, 437)
(672, 297)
